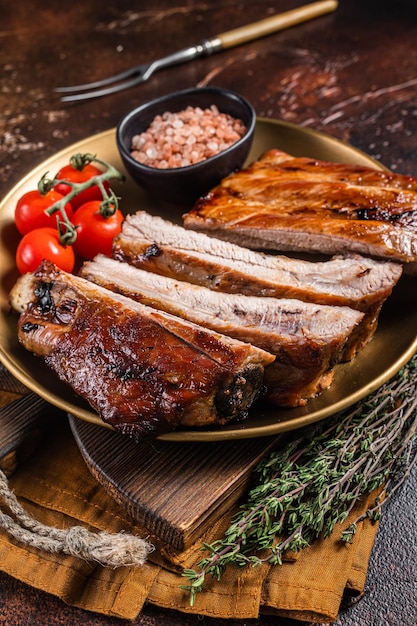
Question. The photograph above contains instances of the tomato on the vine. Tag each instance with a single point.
(43, 243)
(30, 210)
(75, 175)
(95, 232)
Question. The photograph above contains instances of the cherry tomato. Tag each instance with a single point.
(95, 233)
(43, 243)
(74, 175)
(30, 210)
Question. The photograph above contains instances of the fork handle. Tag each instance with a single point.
(275, 23)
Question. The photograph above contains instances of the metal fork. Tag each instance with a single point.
(141, 73)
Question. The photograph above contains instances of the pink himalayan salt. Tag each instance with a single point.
(187, 137)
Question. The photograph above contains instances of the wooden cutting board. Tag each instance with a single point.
(22, 418)
(176, 490)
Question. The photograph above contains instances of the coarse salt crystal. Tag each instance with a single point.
(168, 140)
(151, 153)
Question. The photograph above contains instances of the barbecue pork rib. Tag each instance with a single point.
(361, 283)
(306, 339)
(283, 203)
(145, 372)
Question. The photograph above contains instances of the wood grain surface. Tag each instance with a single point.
(176, 490)
(22, 420)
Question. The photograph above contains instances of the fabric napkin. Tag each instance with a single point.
(54, 485)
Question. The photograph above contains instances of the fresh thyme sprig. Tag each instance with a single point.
(302, 491)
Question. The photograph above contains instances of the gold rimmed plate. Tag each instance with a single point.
(393, 345)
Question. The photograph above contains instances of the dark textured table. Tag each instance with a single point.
(352, 74)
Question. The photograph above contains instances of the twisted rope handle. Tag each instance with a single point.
(108, 549)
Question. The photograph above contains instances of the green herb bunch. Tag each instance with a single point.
(300, 492)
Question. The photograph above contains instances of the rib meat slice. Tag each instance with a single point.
(358, 282)
(307, 339)
(144, 371)
(284, 203)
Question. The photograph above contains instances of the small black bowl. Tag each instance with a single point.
(184, 185)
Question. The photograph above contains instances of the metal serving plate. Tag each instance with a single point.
(393, 345)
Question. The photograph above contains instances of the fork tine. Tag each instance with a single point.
(133, 71)
(89, 95)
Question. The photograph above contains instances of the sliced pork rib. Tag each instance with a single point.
(307, 339)
(361, 283)
(284, 203)
(145, 372)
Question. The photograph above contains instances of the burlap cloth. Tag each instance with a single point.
(56, 487)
